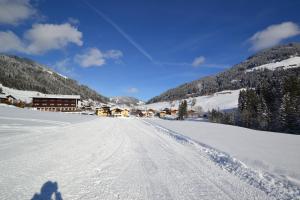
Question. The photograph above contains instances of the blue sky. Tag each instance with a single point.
(142, 48)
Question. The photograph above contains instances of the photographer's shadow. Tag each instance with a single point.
(49, 191)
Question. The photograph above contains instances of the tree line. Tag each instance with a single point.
(274, 105)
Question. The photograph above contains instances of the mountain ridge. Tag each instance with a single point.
(234, 77)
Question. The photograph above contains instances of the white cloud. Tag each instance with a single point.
(95, 57)
(45, 37)
(113, 54)
(63, 65)
(10, 42)
(198, 61)
(273, 35)
(40, 39)
(132, 90)
(15, 11)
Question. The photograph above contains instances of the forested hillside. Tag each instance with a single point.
(24, 74)
(239, 76)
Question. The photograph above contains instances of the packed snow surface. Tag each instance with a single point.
(292, 62)
(118, 158)
(227, 99)
(277, 153)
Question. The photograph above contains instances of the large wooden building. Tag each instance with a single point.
(104, 111)
(56, 103)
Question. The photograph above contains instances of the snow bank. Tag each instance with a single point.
(268, 151)
(28, 117)
(274, 184)
(284, 64)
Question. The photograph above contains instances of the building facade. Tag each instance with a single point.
(104, 111)
(56, 103)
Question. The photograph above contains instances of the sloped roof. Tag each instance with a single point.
(56, 96)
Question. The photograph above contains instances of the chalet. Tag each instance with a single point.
(104, 111)
(174, 112)
(117, 112)
(167, 110)
(11, 99)
(2, 98)
(150, 113)
(56, 103)
(162, 114)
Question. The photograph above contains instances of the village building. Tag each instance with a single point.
(150, 113)
(56, 103)
(8, 99)
(116, 112)
(119, 112)
(125, 112)
(11, 99)
(104, 111)
(174, 112)
(162, 114)
(2, 98)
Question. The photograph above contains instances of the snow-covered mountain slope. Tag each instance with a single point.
(125, 100)
(118, 158)
(24, 74)
(289, 63)
(223, 100)
(235, 77)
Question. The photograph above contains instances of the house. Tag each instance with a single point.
(104, 111)
(174, 112)
(3, 98)
(162, 114)
(56, 103)
(11, 99)
(117, 112)
(167, 110)
(125, 112)
(150, 113)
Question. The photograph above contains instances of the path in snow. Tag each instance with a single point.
(110, 158)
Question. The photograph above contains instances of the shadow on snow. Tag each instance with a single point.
(49, 191)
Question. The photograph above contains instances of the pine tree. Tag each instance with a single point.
(182, 110)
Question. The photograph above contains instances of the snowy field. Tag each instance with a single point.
(86, 157)
(266, 151)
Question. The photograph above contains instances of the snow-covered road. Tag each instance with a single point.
(111, 158)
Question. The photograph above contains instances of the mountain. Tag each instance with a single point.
(24, 74)
(248, 73)
(124, 100)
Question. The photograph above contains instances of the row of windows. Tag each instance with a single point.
(52, 104)
(54, 100)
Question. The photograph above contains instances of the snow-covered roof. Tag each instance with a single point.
(2, 96)
(55, 96)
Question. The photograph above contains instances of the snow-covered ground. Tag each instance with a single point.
(292, 62)
(223, 100)
(119, 158)
(266, 151)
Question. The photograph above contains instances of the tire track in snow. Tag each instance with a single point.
(275, 187)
